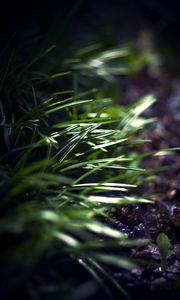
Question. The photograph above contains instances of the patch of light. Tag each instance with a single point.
(79, 154)
(67, 239)
(95, 63)
(50, 140)
(97, 228)
(102, 115)
(49, 216)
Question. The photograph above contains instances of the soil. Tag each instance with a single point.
(140, 221)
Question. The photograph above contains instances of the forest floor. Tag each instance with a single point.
(139, 221)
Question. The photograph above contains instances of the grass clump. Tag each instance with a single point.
(67, 158)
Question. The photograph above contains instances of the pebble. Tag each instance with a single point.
(159, 285)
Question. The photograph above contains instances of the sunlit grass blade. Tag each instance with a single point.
(118, 200)
(122, 262)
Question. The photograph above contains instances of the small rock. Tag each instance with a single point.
(123, 228)
(154, 251)
(137, 272)
(177, 251)
(159, 285)
(141, 231)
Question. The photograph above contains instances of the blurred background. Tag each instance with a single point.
(112, 21)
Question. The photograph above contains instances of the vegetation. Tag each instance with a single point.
(68, 157)
(164, 245)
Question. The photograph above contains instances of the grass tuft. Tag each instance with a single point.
(67, 158)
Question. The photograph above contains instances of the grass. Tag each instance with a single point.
(68, 156)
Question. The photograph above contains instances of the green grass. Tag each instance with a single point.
(68, 156)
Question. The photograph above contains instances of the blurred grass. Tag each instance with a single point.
(67, 157)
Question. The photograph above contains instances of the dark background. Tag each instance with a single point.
(79, 18)
(18, 15)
